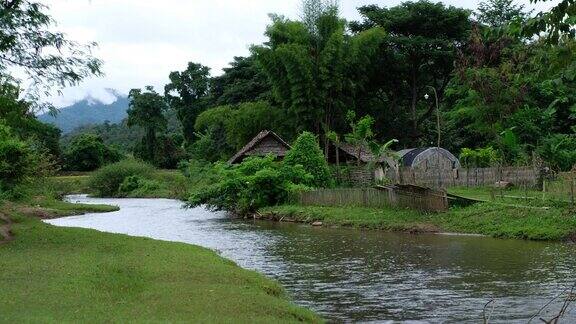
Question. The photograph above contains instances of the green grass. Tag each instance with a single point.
(51, 274)
(491, 219)
(515, 196)
(403, 220)
(70, 184)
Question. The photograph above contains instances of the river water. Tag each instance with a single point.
(370, 276)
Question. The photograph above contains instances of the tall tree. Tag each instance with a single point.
(28, 42)
(147, 111)
(420, 48)
(243, 81)
(499, 13)
(314, 66)
(187, 93)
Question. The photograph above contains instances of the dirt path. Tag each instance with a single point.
(5, 229)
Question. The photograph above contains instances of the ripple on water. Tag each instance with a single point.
(367, 276)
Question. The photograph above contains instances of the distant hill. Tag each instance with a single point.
(86, 112)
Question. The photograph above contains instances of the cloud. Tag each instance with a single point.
(142, 41)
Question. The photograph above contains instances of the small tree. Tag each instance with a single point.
(307, 153)
(16, 160)
(361, 134)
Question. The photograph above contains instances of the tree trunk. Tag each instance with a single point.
(413, 104)
(150, 143)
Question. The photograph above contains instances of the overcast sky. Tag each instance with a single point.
(142, 41)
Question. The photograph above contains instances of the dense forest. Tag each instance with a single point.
(504, 93)
(496, 85)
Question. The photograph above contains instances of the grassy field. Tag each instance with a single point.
(52, 274)
(496, 220)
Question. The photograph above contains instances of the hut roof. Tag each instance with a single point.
(366, 155)
(255, 141)
(411, 157)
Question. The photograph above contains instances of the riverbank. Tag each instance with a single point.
(49, 273)
(491, 219)
(170, 184)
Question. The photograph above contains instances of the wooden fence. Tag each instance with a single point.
(443, 178)
(404, 196)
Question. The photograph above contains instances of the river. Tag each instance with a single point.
(369, 276)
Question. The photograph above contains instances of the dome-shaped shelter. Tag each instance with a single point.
(428, 158)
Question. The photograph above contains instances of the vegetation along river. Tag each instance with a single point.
(355, 275)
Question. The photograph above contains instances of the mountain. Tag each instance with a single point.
(88, 111)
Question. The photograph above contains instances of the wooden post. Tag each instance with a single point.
(572, 180)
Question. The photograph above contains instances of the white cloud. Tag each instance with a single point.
(142, 41)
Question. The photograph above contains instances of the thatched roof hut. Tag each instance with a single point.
(348, 153)
(427, 158)
(266, 142)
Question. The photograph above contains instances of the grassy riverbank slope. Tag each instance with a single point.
(54, 274)
(493, 219)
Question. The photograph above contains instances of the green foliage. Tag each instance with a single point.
(559, 150)
(187, 94)
(420, 48)
(499, 13)
(255, 183)
(243, 81)
(557, 23)
(209, 147)
(137, 186)
(306, 153)
(249, 119)
(223, 130)
(87, 152)
(16, 113)
(29, 43)
(147, 111)
(107, 180)
(16, 160)
(362, 133)
(479, 158)
(315, 68)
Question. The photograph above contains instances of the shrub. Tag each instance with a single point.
(107, 180)
(479, 158)
(257, 182)
(137, 186)
(559, 151)
(17, 160)
(88, 152)
(307, 153)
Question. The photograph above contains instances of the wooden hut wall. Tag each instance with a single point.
(268, 145)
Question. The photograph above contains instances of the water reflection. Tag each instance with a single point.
(354, 275)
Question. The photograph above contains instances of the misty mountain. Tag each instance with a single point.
(88, 111)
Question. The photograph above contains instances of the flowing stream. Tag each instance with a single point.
(370, 276)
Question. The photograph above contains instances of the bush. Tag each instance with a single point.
(168, 151)
(137, 186)
(107, 180)
(559, 151)
(87, 152)
(307, 153)
(17, 160)
(479, 158)
(257, 182)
